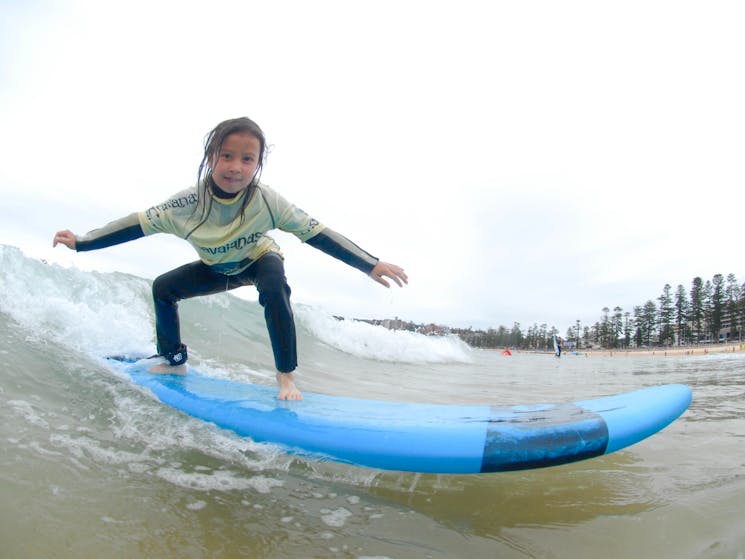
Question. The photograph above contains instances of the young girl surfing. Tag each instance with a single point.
(225, 217)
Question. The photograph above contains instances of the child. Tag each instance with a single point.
(225, 217)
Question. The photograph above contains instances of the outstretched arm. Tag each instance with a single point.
(119, 231)
(338, 246)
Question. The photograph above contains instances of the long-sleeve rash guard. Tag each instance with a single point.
(223, 239)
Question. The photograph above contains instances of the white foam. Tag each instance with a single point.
(376, 342)
(335, 518)
(27, 411)
(196, 505)
(91, 312)
(87, 448)
(144, 420)
(111, 313)
(218, 480)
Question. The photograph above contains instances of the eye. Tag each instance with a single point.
(248, 159)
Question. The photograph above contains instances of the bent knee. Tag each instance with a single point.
(162, 289)
(272, 291)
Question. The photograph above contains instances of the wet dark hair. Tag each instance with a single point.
(212, 145)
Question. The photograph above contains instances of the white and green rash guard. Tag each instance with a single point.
(226, 241)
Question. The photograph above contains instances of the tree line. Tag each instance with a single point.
(708, 312)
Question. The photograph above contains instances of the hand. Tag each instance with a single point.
(66, 238)
(391, 271)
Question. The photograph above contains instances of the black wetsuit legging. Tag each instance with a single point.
(195, 279)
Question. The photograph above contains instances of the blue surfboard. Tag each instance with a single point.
(432, 438)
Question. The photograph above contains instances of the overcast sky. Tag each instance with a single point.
(523, 161)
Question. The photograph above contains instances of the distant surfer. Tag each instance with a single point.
(225, 217)
(557, 345)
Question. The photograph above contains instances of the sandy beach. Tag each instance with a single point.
(702, 349)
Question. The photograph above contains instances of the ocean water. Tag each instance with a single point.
(92, 466)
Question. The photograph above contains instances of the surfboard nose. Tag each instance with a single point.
(636, 415)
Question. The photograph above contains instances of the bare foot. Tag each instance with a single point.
(287, 388)
(166, 369)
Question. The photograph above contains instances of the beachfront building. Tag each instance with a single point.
(729, 332)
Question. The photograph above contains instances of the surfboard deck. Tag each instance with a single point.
(428, 438)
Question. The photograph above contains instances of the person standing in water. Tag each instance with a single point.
(225, 217)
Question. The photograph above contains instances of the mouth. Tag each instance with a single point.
(232, 182)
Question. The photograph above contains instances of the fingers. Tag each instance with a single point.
(380, 280)
(65, 237)
(395, 278)
(384, 269)
(401, 275)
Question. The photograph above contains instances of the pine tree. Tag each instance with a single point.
(717, 306)
(666, 316)
(741, 311)
(638, 326)
(696, 315)
(616, 326)
(649, 321)
(627, 324)
(682, 309)
(604, 330)
(732, 295)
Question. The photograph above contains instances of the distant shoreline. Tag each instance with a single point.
(657, 352)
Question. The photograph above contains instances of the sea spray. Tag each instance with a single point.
(376, 342)
(111, 313)
(91, 312)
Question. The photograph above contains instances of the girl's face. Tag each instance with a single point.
(234, 167)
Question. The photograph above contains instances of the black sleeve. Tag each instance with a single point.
(117, 232)
(341, 248)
